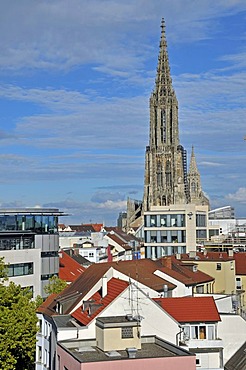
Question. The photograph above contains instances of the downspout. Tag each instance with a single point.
(178, 334)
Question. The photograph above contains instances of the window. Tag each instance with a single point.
(152, 220)
(210, 332)
(126, 332)
(200, 220)
(186, 333)
(201, 234)
(198, 363)
(20, 269)
(16, 243)
(200, 289)
(39, 354)
(218, 266)
(163, 237)
(91, 254)
(198, 332)
(163, 220)
(49, 254)
(238, 283)
(153, 237)
(48, 276)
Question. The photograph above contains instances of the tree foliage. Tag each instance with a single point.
(55, 285)
(18, 326)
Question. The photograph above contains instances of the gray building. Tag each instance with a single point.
(29, 244)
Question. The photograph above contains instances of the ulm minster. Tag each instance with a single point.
(173, 196)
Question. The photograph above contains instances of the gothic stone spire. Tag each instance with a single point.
(165, 162)
(194, 182)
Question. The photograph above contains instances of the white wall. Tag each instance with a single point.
(181, 289)
(25, 256)
(134, 301)
(232, 330)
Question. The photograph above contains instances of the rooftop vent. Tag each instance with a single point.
(113, 354)
(132, 352)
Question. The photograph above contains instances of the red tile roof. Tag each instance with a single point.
(208, 256)
(45, 306)
(240, 262)
(69, 269)
(142, 270)
(190, 309)
(115, 288)
(119, 241)
(182, 271)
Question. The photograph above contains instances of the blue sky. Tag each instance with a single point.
(75, 81)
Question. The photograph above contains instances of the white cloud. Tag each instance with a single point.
(238, 196)
(66, 33)
(211, 164)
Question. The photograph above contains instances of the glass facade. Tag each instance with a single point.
(40, 224)
(167, 236)
(171, 220)
(160, 251)
(17, 242)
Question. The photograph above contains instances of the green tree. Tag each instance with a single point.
(18, 326)
(55, 285)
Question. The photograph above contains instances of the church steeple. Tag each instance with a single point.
(165, 165)
(166, 180)
(194, 182)
(163, 78)
(193, 167)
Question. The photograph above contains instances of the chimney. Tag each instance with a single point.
(167, 262)
(165, 290)
(230, 253)
(178, 256)
(104, 286)
(192, 254)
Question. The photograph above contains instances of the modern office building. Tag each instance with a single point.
(29, 244)
(174, 229)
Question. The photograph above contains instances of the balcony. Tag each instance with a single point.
(203, 343)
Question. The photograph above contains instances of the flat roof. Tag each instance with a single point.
(151, 347)
(32, 211)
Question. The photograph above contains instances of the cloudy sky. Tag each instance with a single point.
(75, 81)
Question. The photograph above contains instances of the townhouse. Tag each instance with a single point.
(198, 318)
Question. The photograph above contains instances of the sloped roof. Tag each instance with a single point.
(119, 241)
(182, 272)
(142, 270)
(139, 270)
(69, 269)
(208, 256)
(45, 306)
(115, 288)
(87, 227)
(238, 360)
(190, 309)
(240, 263)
